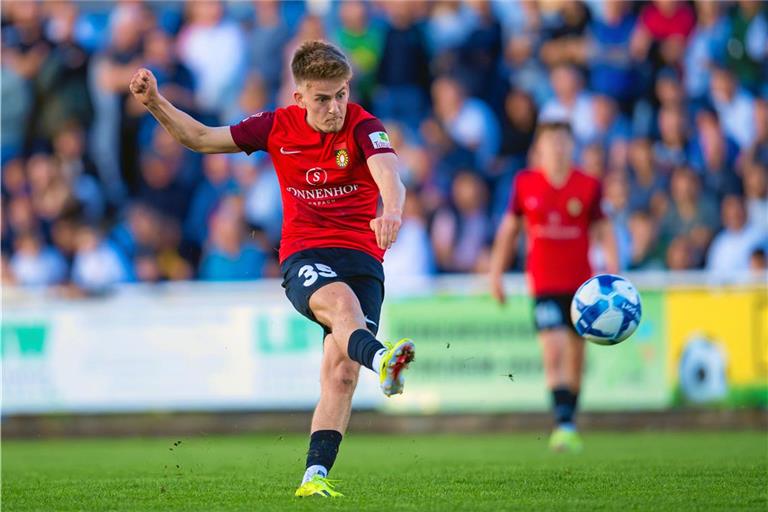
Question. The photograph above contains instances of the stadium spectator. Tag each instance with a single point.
(21, 218)
(680, 254)
(647, 184)
(564, 25)
(670, 151)
(79, 171)
(612, 131)
(713, 156)
(14, 179)
(478, 54)
(97, 266)
(662, 30)
(261, 196)
(612, 71)
(756, 194)
(571, 97)
(403, 75)
(517, 128)
(731, 249)
(706, 48)
(61, 83)
(447, 26)
(690, 214)
(748, 44)
(206, 37)
(217, 183)
(361, 40)
(64, 238)
(138, 233)
(310, 27)
(52, 196)
(758, 263)
(228, 256)
(266, 41)
(758, 150)
(461, 230)
(469, 121)
(734, 107)
(36, 264)
(160, 188)
(643, 232)
(448, 157)
(521, 24)
(616, 208)
(594, 161)
(253, 98)
(26, 48)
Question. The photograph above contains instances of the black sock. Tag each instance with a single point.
(362, 347)
(565, 405)
(323, 448)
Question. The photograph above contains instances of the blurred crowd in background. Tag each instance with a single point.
(667, 100)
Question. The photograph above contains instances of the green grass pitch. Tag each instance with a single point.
(629, 471)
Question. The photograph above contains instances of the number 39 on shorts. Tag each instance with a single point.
(310, 275)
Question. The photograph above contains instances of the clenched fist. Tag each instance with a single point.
(144, 86)
(386, 228)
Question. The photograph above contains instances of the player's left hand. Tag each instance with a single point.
(386, 228)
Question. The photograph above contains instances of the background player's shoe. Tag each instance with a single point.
(394, 361)
(565, 440)
(317, 486)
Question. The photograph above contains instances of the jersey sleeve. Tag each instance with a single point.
(372, 138)
(515, 206)
(596, 208)
(251, 133)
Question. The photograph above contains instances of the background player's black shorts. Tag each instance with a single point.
(306, 271)
(552, 311)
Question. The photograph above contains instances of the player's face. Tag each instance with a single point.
(555, 147)
(325, 102)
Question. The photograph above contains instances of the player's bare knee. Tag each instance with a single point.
(343, 378)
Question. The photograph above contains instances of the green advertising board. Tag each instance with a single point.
(476, 356)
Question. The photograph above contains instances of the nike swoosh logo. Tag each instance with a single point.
(369, 321)
(286, 152)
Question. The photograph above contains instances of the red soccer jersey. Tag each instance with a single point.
(557, 222)
(329, 196)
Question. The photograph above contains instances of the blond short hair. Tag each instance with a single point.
(319, 60)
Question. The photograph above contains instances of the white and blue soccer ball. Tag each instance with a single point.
(606, 309)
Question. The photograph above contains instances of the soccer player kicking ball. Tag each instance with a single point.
(333, 160)
(556, 205)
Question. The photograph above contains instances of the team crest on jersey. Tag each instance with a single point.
(342, 157)
(574, 206)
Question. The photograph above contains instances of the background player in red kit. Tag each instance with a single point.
(557, 206)
(334, 161)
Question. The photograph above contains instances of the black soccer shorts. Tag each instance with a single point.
(552, 312)
(307, 271)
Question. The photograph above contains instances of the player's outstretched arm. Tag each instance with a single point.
(384, 169)
(185, 129)
(503, 254)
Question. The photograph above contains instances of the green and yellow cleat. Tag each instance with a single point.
(395, 360)
(317, 486)
(565, 440)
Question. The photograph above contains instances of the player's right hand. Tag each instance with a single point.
(143, 86)
(497, 289)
